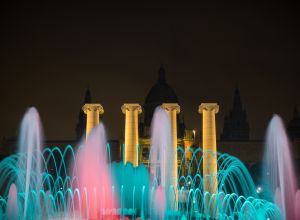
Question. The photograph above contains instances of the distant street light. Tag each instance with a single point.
(194, 132)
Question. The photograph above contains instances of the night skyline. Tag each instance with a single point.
(51, 53)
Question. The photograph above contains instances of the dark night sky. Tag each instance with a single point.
(50, 52)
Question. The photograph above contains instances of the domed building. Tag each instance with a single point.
(161, 92)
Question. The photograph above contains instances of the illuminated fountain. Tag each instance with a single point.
(83, 184)
(163, 194)
(279, 171)
(92, 179)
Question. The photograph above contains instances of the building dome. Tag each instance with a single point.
(161, 92)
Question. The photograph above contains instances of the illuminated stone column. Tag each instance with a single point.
(210, 180)
(173, 109)
(92, 112)
(131, 112)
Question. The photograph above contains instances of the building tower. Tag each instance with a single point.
(131, 112)
(236, 126)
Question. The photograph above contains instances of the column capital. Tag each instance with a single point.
(171, 107)
(93, 107)
(208, 107)
(131, 107)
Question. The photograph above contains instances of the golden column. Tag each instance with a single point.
(173, 109)
(92, 119)
(131, 112)
(210, 179)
